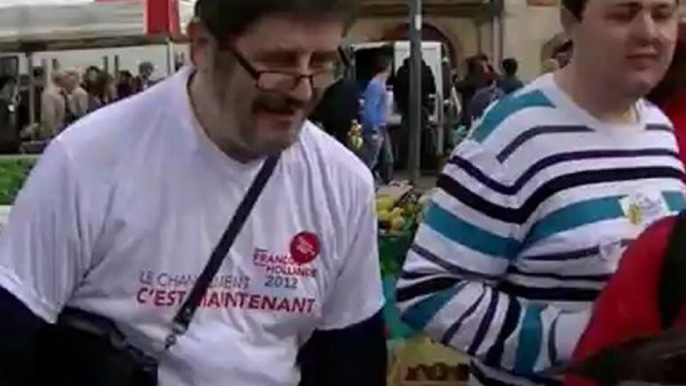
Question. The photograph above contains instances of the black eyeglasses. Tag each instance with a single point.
(280, 81)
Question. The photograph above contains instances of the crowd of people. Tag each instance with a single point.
(387, 92)
(60, 100)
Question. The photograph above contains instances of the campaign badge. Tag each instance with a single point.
(643, 209)
(305, 247)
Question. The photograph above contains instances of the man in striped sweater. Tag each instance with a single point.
(534, 209)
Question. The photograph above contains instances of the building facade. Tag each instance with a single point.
(463, 25)
(527, 30)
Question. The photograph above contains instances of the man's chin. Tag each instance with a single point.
(640, 86)
(281, 140)
(638, 90)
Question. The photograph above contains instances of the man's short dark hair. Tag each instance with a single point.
(575, 7)
(482, 57)
(381, 64)
(232, 17)
(510, 66)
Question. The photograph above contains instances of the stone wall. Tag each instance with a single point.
(527, 30)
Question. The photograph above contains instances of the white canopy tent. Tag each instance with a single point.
(34, 25)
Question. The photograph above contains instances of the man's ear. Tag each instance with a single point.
(200, 40)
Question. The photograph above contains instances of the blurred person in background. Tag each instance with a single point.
(9, 91)
(340, 105)
(375, 114)
(486, 62)
(510, 82)
(401, 95)
(54, 106)
(126, 85)
(9, 102)
(475, 80)
(401, 91)
(90, 76)
(670, 94)
(25, 118)
(77, 97)
(144, 79)
(483, 98)
(103, 92)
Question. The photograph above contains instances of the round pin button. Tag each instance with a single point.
(304, 248)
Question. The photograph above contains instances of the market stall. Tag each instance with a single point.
(414, 359)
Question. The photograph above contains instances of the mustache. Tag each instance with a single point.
(276, 103)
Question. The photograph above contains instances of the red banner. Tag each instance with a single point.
(161, 16)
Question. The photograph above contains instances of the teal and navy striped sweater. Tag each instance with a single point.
(528, 222)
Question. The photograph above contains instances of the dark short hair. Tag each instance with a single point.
(475, 64)
(481, 56)
(125, 74)
(38, 72)
(575, 7)
(232, 17)
(99, 88)
(510, 66)
(381, 64)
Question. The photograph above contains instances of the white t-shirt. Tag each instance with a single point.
(124, 209)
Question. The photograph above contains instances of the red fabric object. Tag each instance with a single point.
(676, 111)
(162, 17)
(627, 308)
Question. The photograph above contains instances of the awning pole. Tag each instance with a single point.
(170, 57)
(32, 88)
(415, 102)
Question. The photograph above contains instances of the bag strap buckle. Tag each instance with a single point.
(177, 329)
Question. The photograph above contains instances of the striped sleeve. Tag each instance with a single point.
(463, 248)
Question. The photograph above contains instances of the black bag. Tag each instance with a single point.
(84, 349)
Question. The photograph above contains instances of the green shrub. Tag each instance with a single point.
(13, 174)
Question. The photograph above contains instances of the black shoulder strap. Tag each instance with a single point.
(672, 285)
(185, 314)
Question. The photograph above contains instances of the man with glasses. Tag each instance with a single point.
(121, 215)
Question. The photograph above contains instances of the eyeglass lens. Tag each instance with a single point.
(279, 81)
